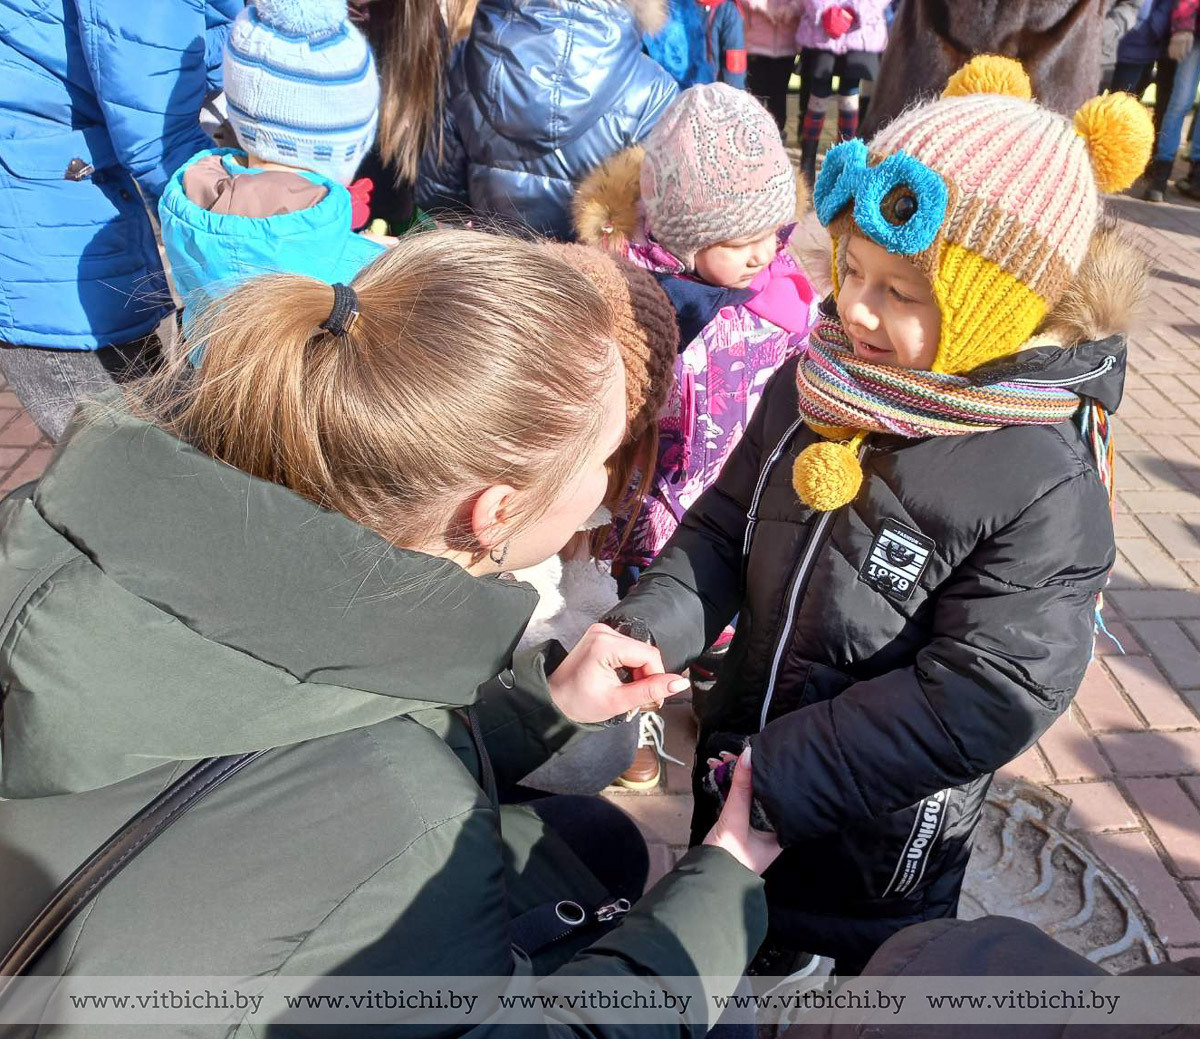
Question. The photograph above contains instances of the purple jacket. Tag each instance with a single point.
(868, 33)
(729, 355)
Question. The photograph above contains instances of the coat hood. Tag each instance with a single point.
(210, 253)
(161, 606)
(543, 71)
(1081, 343)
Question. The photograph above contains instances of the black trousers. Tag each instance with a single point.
(767, 79)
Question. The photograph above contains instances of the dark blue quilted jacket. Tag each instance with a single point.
(540, 93)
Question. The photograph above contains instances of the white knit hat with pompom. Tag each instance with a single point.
(301, 86)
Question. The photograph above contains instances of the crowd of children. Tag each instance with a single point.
(867, 499)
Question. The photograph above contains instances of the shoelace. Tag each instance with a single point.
(652, 732)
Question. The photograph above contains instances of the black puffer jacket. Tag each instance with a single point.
(881, 709)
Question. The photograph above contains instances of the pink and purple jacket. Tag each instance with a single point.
(868, 33)
(734, 340)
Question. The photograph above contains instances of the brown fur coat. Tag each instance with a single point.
(1058, 42)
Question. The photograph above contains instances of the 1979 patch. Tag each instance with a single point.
(897, 560)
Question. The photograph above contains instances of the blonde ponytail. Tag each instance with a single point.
(474, 360)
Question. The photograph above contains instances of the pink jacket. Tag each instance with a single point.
(771, 26)
(868, 33)
(719, 377)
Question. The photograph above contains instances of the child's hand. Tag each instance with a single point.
(587, 686)
(754, 849)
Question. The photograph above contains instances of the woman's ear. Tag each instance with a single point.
(491, 516)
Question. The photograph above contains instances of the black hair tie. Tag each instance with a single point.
(345, 310)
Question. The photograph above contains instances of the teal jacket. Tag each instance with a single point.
(158, 607)
(212, 253)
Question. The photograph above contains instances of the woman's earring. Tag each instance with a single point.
(499, 560)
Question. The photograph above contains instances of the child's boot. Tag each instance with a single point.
(808, 161)
(1156, 180)
(646, 769)
(1190, 185)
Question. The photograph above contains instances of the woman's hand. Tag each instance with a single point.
(587, 686)
(753, 848)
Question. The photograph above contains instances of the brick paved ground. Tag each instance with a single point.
(1127, 755)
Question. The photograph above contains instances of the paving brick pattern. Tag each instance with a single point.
(1127, 754)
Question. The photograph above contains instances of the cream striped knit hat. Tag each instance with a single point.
(1022, 188)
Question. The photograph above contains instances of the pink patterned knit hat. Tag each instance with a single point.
(715, 169)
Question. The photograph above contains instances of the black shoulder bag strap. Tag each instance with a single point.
(113, 855)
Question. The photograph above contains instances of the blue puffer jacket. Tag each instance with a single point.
(211, 253)
(538, 95)
(1147, 40)
(118, 85)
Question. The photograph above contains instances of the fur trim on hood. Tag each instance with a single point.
(606, 208)
(1104, 297)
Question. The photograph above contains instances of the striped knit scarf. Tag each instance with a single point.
(839, 390)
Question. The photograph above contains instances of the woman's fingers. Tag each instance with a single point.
(753, 849)
(647, 693)
(622, 651)
(737, 800)
(590, 686)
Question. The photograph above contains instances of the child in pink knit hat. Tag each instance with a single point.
(708, 203)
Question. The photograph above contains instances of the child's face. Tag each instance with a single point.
(887, 308)
(734, 264)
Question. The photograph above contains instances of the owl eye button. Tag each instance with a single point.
(899, 208)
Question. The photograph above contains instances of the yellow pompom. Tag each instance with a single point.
(827, 476)
(990, 74)
(1120, 137)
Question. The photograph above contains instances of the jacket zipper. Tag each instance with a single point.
(815, 541)
(810, 552)
(752, 515)
(1100, 369)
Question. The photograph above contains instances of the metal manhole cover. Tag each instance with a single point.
(1025, 864)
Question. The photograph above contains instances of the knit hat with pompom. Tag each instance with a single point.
(301, 86)
(994, 199)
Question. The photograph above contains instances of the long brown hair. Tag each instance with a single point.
(475, 360)
(411, 44)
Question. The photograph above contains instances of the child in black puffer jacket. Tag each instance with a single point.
(916, 527)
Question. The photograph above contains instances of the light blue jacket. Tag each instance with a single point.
(212, 253)
(538, 95)
(118, 85)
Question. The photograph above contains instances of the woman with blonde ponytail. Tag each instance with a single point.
(298, 548)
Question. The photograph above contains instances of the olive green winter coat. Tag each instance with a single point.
(159, 607)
